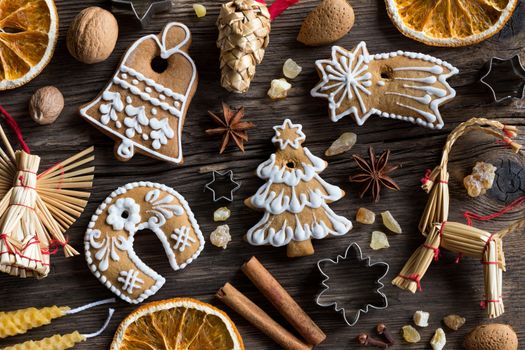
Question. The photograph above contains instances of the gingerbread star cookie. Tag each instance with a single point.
(401, 85)
(134, 209)
(144, 106)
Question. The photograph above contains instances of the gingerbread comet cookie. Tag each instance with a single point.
(144, 106)
(401, 85)
(134, 209)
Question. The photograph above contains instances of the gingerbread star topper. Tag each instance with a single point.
(289, 134)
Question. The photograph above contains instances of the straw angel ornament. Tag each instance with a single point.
(295, 198)
(36, 209)
(459, 238)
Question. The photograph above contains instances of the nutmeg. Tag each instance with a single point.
(92, 35)
(492, 336)
(46, 104)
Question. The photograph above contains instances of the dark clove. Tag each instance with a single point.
(382, 330)
(365, 340)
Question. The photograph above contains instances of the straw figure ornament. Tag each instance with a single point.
(244, 33)
(459, 238)
(37, 209)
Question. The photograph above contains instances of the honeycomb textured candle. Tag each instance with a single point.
(56, 342)
(20, 321)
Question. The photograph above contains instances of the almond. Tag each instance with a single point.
(327, 23)
(492, 336)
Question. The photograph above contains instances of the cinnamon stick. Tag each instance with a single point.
(283, 302)
(229, 295)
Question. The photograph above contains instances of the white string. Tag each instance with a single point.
(90, 305)
(92, 335)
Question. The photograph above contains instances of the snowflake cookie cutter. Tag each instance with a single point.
(353, 250)
(144, 10)
(515, 68)
(234, 185)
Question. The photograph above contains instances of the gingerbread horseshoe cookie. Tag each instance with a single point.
(111, 232)
(144, 106)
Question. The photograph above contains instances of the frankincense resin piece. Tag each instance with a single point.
(220, 237)
(365, 216)
(481, 179)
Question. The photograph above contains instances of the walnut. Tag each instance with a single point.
(92, 35)
(46, 104)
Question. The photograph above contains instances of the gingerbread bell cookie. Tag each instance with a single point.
(400, 85)
(144, 106)
(295, 198)
(126, 212)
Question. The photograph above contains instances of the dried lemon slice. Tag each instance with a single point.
(28, 36)
(450, 22)
(177, 324)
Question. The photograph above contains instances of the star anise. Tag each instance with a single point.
(231, 127)
(374, 174)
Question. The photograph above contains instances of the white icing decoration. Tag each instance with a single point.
(182, 237)
(128, 99)
(135, 82)
(161, 132)
(109, 110)
(293, 200)
(130, 280)
(106, 248)
(295, 142)
(162, 97)
(135, 120)
(126, 149)
(346, 77)
(148, 89)
(166, 206)
(154, 111)
(124, 214)
(126, 146)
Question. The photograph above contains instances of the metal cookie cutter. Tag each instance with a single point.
(226, 180)
(144, 9)
(500, 73)
(353, 257)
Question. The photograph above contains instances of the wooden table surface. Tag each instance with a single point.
(448, 287)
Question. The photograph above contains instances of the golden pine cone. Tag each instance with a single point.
(244, 33)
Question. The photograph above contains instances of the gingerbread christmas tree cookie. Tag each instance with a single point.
(295, 198)
(400, 85)
(134, 209)
(144, 106)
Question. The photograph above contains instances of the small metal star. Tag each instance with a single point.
(144, 9)
(501, 73)
(226, 183)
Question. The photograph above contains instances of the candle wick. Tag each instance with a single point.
(97, 333)
(90, 305)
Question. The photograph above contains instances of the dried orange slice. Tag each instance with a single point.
(28, 36)
(450, 22)
(177, 324)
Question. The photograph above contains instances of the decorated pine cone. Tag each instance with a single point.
(244, 33)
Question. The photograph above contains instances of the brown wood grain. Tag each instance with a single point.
(448, 287)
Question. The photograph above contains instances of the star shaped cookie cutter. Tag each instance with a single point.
(226, 176)
(352, 255)
(144, 9)
(513, 67)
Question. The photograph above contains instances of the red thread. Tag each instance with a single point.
(21, 205)
(53, 247)
(442, 228)
(27, 171)
(507, 132)
(505, 141)
(483, 303)
(57, 165)
(278, 7)
(26, 257)
(443, 182)
(436, 251)
(469, 216)
(414, 277)
(424, 180)
(490, 262)
(14, 125)
(24, 186)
